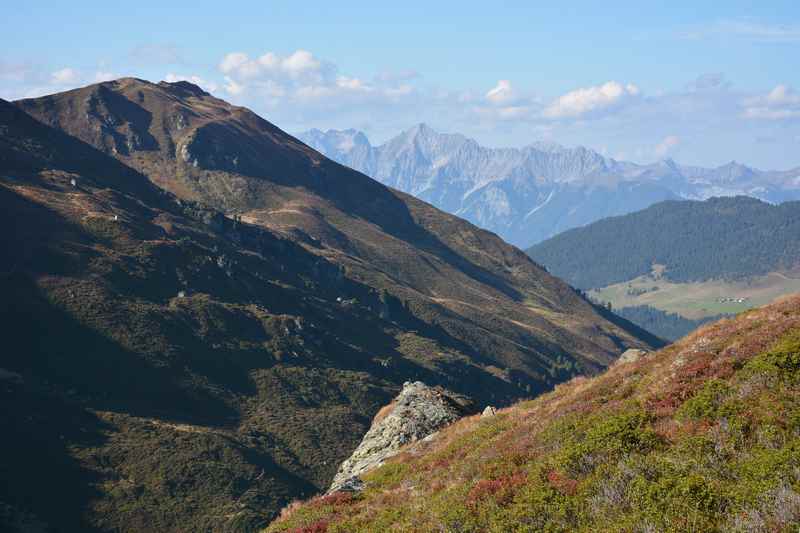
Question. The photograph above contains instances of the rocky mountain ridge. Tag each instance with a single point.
(529, 194)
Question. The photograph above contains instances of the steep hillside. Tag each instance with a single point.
(529, 194)
(170, 366)
(701, 436)
(504, 315)
(728, 238)
(165, 367)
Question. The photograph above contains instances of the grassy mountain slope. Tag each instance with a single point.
(500, 309)
(703, 435)
(148, 410)
(168, 367)
(721, 238)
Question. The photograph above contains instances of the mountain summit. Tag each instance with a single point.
(529, 194)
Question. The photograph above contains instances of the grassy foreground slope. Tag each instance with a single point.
(703, 435)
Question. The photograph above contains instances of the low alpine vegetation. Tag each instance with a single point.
(701, 436)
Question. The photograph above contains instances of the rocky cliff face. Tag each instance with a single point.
(418, 412)
(527, 195)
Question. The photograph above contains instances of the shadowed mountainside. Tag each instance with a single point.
(505, 309)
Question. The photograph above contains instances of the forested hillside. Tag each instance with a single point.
(669, 326)
(728, 238)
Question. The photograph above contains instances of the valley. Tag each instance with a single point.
(677, 264)
(698, 299)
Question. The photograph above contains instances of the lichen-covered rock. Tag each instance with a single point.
(416, 413)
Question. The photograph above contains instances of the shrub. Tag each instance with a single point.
(782, 361)
(386, 476)
(610, 436)
(706, 402)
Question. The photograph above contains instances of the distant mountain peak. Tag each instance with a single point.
(419, 131)
(423, 128)
(527, 195)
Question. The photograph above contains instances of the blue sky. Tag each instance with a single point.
(704, 84)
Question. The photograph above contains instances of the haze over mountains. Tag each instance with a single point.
(529, 194)
(203, 314)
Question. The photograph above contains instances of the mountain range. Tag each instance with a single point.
(202, 314)
(529, 194)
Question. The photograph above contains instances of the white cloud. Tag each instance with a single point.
(233, 61)
(297, 65)
(101, 76)
(781, 103)
(747, 29)
(307, 82)
(582, 102)
(667, 145)
(64, 76)
(299, 62)
(352, 83)
(502, 92)
(197, 80)
(231, 87)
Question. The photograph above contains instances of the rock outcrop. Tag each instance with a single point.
(417, 412)
(631, 356)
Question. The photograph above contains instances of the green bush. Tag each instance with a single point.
(782, 361)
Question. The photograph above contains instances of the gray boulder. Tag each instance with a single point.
(631, 356)
(416, 413)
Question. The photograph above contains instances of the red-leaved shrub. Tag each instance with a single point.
(501, 490)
